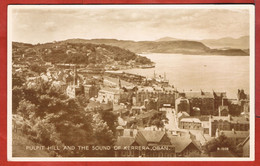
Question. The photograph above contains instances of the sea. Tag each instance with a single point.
(200, 72)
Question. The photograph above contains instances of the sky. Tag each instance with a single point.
(32, 24)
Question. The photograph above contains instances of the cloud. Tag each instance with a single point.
(128, 23)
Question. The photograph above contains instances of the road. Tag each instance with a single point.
(170, 114)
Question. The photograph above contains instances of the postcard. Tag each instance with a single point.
(131, 82)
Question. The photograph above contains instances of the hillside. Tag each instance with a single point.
(228, 42)
(80, 53)
(19, 147)
(178, 46)
(109, 51)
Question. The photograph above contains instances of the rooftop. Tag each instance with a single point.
(152, 136)
(180, 143)
(198, 94)
(191, 120)
(125, 141)
(235, 134)
(240, 120)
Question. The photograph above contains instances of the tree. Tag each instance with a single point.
(37, 68)
(17, 96)
(221, 141)
(17, 80)
(26, 108)
(110, 118)
(158, 120)
(45, 133)
(101, 132)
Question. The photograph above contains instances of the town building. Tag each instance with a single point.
(234, 137)
(223, 110)
(107, 94)
(91, 91)
(190, 123)
(75, 89)
(200, 101)
(227, 123)
(220, 99)
(145, 143)
(185, 147)
(160, 95)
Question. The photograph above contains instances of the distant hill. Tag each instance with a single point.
(107, 51)
(178, 46)
(167, 39)
(79, 52)
(228, 42)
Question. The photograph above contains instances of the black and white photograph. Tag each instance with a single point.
(131, 82)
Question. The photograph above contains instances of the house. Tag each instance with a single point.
(223, 111)
(199, 137)
(181, 115)
(235, 137)
(73, 91)
(141, 119)
(220, 123)
(220, 99)
(190, 123)
(145, 143)
(185, 147)
(239, 123)
(136, 110)
(107, 94)
(227, 123)
(123, 142)
(204, 101)
(160, 95)
(205, 124)
(91, 91)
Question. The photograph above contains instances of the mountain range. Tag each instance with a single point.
(167, 45)
(222, 43)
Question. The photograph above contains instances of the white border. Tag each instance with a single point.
(251, 9)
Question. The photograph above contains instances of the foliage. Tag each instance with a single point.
(143, 60)
(49, 118)
(221, 141)
(26, 108)
(234, 109)
(102, 134)
(78, 53)
(17, 96)
(158, 120)
(37, 68)
(17, 80)
(110, 118)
